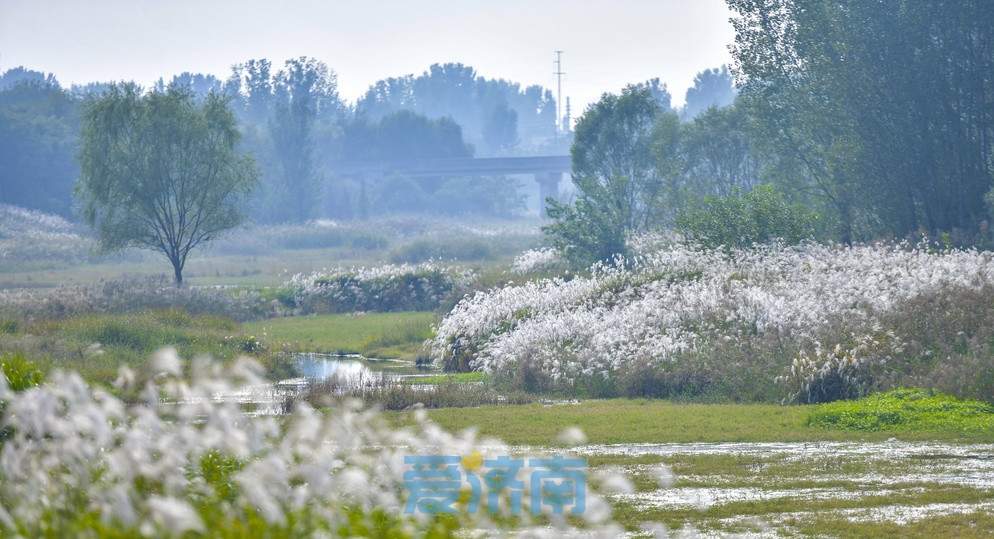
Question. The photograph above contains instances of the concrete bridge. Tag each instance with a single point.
(547, 170)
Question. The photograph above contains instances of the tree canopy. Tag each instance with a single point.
(885, 108)
(614, 174)
(159, 171)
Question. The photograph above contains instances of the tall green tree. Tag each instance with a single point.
(712, 88)
(483, 107)
(161, 172)
(285, 115)
(39, 130)
(887, 106)
(719, 153)
(306, 91)
(614, 171)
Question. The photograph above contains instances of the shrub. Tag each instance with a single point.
(20, 372)
(842, 372)
(761, 215)
(905, 409)
(537, 260)
(403, 287)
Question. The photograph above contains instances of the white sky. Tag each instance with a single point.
(607, 43)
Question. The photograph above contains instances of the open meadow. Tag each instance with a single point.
(685, 429)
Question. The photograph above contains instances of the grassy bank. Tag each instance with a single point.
(97, 345)
(648, 421)
(382, 335)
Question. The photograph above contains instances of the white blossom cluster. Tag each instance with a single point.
(535, 260)
(826, 374)
(130, 294)
(75, 457)
(32, 235)
(380, 288)
(678, 300)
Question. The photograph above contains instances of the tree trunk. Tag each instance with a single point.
(845, 222)
(177, 272)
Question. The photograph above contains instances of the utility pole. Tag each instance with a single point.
(569, 118)
(559, 90)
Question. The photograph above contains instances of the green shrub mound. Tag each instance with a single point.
(905, 410)
(19, 372)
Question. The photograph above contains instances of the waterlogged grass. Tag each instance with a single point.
(979, 524)
(906, 410)
(381, 335)
(649, 421)
(771, 513)
(808, 493)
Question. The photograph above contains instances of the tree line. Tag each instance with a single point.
(860, 120)
(297, 127)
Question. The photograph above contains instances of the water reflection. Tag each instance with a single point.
(350, 368)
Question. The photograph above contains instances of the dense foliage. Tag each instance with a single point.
(617, 185)
(299, 130)
(496, 115)
(881, 109)
(761, 215)
(874, 115)
(403, 287)
(39, 126)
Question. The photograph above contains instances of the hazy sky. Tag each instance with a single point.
(607, 43)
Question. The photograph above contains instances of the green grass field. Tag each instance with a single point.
(97, 345)
(807, 480)
(379, 335)
(647, 421)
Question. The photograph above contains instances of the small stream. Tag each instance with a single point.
(319, 366)
(345, 369)
(350, 367)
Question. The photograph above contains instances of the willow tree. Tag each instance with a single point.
(161, 171)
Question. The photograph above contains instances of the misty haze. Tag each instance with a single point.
(477, 269)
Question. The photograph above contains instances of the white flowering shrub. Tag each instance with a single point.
(180, 459)
(402, 287)
(842, 372)
(679, 306)
(534, 260)
(29, 235)
(130, 295)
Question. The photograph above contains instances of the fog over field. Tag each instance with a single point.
(496, 269)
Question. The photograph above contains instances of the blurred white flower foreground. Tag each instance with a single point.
(76, 460)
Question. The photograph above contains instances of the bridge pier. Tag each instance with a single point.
(548, 187)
